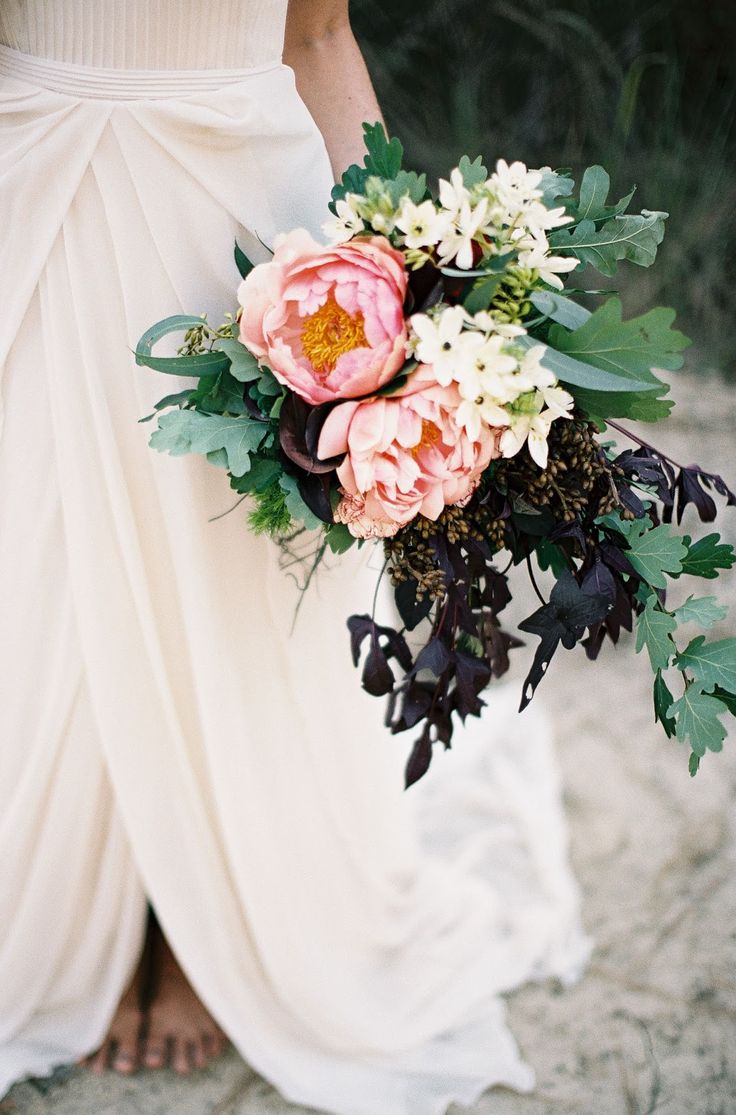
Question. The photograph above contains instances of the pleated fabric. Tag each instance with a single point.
(167, 730)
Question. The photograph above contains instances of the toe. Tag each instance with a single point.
(100, 1060)
(200, 1054)
(154, 1055)
(180, 1057)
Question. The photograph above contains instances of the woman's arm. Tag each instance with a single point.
(331, 76)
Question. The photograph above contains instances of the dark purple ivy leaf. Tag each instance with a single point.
(415, 704)
(441, 721)
(395, 645)
(614, 556)
(457, 597)
(594, 641)
(411, 610)
(497, 643)
(631, 501)
(599, 580)
(563, 620)
(434, 657)
(472, 675)
(542, 658)
(569, 611)
(420, 758)
(690, 489)
(496, 593)
(360, 628)
(378, 677)
(315, 491)
(722, 488)
(569, 530)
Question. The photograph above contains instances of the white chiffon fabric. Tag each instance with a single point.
(164, 732)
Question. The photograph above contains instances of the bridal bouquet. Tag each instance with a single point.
(422, 383)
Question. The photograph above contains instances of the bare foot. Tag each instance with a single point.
(121, 1048)
(180, 1031)
(159, 1020)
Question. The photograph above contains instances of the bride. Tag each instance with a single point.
(166, 739)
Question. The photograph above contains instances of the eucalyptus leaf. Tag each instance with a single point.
(205, 363)
(575, 373)
(559, 308)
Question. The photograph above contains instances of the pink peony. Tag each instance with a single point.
(329, 322)
(405, 456)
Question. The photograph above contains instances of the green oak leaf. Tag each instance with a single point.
(173, 434)
(407, 183)
(655, 552)
(697, 720)
(706, 556)
(600, 405)
(703, 610)
(635, 238)
(384, 156)
(244, 365)
(339, 538)
(262, 473)
(710, 663)
(654, 630)
(594, 189)
(554, 184)
(629, 348)
(474, 173)
(662, 703)
(189, 431)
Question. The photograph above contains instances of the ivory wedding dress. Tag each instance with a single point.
(163, 733)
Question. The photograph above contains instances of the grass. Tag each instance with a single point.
(648, 90)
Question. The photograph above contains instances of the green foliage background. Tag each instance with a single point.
(646, 89)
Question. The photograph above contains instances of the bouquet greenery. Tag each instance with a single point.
(422, 381)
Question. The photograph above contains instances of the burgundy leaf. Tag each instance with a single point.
(293, 419)
(419, 760)
(434, 657)
(378, 677)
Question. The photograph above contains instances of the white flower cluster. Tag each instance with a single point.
(501, 214)
(501, 384)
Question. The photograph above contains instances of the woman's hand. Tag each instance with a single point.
(331, 76)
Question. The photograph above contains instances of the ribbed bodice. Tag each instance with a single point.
(147, 34)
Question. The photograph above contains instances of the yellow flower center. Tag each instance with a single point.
(328, 333)
(430, 435)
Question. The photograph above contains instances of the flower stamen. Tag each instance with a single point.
(329, 332)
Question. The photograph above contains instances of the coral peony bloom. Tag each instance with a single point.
(329, 322)
(405, 455)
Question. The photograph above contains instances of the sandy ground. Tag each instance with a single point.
(652, 1025)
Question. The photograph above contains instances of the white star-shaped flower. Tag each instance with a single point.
(438, 341)
(423, 225)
